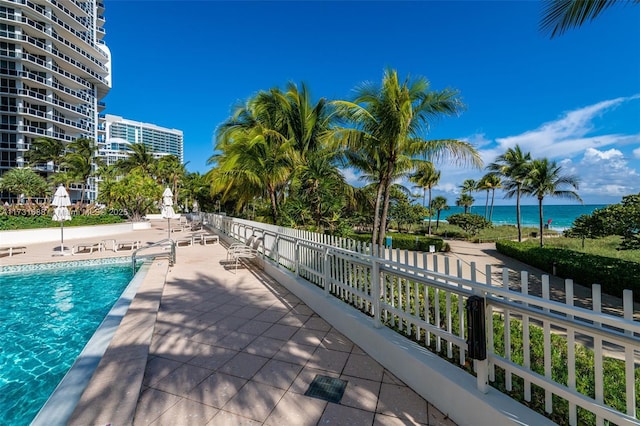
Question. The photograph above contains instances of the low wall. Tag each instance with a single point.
(45, 235)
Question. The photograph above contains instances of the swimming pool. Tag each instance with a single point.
(46, 318)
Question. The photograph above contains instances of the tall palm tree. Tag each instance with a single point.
(79, 161)
(514, 167)
(562, 15)
(439, 203)
(546, 179)
(44, 150)
(426, 177)
(389, 122)
(489, 182)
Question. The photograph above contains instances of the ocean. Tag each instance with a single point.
(561, 216)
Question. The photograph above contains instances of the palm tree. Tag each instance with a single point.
(23, 181)
(562, 15)
(514, 167)
(466, 201)
(44, 150)
(139, 158)
(489, 182)
(468, 186)
(255, 155)
(388, 123)
(546, 178)
(438, 204)
(79, 161)
(426, 177)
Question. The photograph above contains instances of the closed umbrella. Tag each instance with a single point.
(61, 213)
(167, 209)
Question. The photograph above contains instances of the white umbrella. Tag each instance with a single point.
(61, 213)
(167, 208)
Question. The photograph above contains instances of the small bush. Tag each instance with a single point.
(407, 241)
(614, 275)
(44, 221)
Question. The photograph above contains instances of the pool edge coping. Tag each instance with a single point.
(69, 394)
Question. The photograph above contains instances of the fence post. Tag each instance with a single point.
(375, 292)
(327, 273)
(296, 257)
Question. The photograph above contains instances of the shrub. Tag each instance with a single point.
(407, 241)
(44, 221)
(471, 223)
(615, 275)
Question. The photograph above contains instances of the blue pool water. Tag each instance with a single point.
(46, 318)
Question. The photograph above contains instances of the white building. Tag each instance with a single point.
(116, 134)
(54, 70)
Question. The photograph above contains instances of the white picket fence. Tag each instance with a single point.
(422, 296)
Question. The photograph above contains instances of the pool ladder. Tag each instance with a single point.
(168, 250)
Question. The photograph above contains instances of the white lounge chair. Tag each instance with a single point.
(245, 251)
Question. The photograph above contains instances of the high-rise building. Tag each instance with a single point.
(54, 70)
(116, 134)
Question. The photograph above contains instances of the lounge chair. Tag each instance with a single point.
(86, 248)
(245, 251)
(11, 250)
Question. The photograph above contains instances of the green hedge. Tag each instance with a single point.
(8, 222)
(406, 241)
(615, 275)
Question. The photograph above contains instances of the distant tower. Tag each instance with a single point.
(116, 134)
(54, 70)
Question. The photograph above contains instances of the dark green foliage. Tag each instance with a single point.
(615, 275)
(8, 222)
(470, 223)
(617, 219)
(406, 241)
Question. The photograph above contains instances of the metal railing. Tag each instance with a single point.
(555, 357)
(169, 252)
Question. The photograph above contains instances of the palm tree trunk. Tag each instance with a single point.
(385, 211)
(518, 215)
(541, 225)
(429, 210)
(376, 216)
(437, 219)
(486, 205)
(274, 205)
(493, 195)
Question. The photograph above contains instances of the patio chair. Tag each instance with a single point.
(246, 251)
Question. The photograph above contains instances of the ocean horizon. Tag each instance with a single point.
(561, 216)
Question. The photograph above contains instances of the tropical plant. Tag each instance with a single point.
(468, 186)
(23, 182)
(255, 157)
(135, 194)
(513, 166)
(489, 182)
(562, 15)
(45, 150)
(426, 177)
(465, 201)
(139, 157)
(79, 161)
(545, 178)
(439, 204)
(388, 124)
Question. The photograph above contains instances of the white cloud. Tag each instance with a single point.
(636, 153)
(607, 173)
(569, 135)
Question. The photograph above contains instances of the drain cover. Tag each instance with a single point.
(327, 388)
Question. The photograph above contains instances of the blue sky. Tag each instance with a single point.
(574, 99)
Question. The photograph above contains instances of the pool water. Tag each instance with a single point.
(46, 318)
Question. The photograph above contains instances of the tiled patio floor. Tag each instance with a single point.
(240, 349)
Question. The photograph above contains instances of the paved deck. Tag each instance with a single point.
(239, 349)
